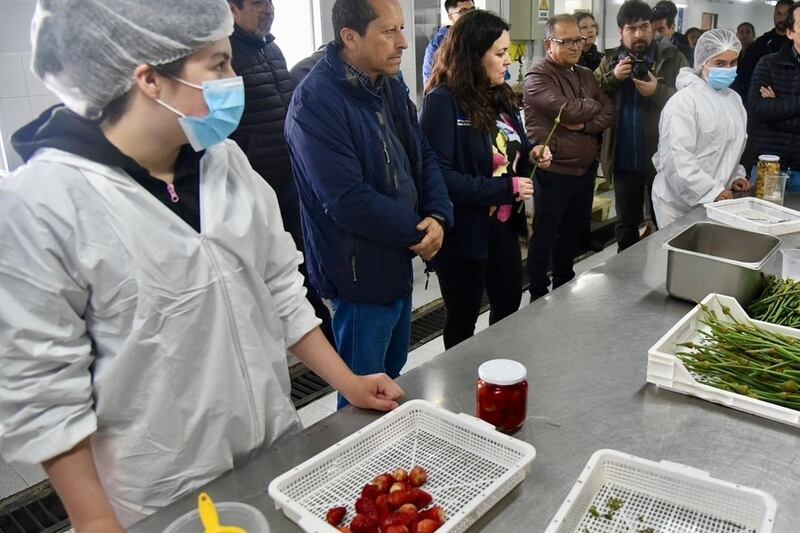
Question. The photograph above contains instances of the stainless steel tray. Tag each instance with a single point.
(708, 257)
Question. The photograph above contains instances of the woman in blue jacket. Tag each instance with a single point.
(471, 120)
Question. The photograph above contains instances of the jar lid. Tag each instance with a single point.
(502, 372)
(768, 157)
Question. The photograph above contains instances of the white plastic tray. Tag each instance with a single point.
(470, 466)
(667, 371)
(755, 214)
(667, 497)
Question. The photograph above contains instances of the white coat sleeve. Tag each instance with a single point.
(738, 172)
(686, 182)
(46, 405)
(284, 281)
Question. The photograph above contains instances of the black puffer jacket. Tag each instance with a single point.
(268, 90)
(777, 120)
(769, 43)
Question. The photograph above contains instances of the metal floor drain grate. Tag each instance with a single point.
(36, 509)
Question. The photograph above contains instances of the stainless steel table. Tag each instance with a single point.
(585, 347)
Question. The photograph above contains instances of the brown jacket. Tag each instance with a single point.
(548, 85)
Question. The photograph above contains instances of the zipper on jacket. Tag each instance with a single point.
(391, 177)
(173, 195)
(237, 344)
(353, 260)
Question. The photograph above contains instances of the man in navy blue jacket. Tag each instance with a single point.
(371, 192)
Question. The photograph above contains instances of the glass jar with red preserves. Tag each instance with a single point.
(502, 394)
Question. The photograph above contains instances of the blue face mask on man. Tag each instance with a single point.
(721, 78)
(225, 101)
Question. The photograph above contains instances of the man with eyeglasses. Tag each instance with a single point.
(564, 192)
(640, 75)
(455, 9)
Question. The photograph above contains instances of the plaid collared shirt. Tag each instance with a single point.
(363, 78)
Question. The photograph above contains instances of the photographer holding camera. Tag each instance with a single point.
(640, 76)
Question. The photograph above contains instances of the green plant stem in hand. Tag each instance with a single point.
(556, 123)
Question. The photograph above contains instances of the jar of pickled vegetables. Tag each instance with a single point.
(767, 164)
(502, 395)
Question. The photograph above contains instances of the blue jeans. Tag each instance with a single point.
(793, 185)
(372, 338)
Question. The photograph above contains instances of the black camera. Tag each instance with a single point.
(641, 69)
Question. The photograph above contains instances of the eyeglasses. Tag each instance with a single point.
(569, 43)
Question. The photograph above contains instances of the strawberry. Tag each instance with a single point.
(367, 507)
(397, 486)
(435, 513)
(421, 498)
(336, 515)
(486, 399)
(400, 475)
(383, 482)
(395, 529)
(393, 519)
(427, 526)
(382, 504)
(418, 476)
(408, 509)
(396, 499)
(370, 491)
(363, 524)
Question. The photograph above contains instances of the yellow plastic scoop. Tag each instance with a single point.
(210, 518)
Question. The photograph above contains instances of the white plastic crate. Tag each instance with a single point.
(660, 497)
(755, 214)
(667, 371)
(470, 466)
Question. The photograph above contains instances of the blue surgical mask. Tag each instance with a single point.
(721, 78)
(225, 101)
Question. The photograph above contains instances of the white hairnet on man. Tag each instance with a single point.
(712, 43)
(88, 69)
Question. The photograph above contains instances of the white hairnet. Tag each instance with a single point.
(712, 43)
(86, 51)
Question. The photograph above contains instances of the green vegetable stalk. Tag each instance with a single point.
(556, 123)
(745, 359)
(779, 303)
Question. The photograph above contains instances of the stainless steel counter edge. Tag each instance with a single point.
(585, 348)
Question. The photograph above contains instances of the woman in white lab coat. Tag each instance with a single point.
(149, 292)
(702, 133)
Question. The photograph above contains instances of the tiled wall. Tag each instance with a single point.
(22, 95)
